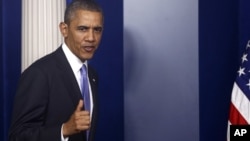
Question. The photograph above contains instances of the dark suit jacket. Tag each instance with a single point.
(46, 97)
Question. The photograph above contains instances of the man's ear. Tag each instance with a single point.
(64, 29)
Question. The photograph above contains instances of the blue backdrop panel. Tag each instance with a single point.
(10, 57)
(218, 55)
(1, 72)
(109, 64)
(244, 24)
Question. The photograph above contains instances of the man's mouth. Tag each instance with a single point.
(89, 48)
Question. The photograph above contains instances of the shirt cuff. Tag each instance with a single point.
(62, 137)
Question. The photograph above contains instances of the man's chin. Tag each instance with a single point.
(87, 58)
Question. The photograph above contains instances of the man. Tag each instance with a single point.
(49, 105)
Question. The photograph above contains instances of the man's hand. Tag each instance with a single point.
(79, 121)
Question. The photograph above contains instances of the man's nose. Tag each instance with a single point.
(90, 36)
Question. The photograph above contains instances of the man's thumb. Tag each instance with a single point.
(79, 106)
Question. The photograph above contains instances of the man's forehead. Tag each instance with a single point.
(85, 16)
(88, 12)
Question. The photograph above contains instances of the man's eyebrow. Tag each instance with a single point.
(98, 27)
(87, 27)
(83, 26)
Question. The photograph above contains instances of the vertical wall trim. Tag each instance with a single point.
(40, 31)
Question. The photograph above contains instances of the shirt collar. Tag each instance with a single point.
(73, 60)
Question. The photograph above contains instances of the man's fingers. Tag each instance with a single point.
(79, 106)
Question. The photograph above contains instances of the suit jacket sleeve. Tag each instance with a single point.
(29, 111)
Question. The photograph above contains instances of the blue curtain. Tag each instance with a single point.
(218, 64)
(244, 25)
(68, 1)
(108, 61)
(10, 46)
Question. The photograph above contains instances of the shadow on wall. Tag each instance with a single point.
(135, 60)
(133, 67)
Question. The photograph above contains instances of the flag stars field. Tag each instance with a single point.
(241, 71)
(248, 84)
(244, 58)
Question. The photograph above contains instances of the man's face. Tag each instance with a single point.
(83, 34)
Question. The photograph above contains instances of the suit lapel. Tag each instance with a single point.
(73, 88)
(68, 76)
(93, 83)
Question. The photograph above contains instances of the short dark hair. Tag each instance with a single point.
(89, 5)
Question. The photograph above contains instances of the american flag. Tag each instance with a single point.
(240, 97)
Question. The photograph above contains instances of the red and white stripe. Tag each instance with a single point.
(239, 109)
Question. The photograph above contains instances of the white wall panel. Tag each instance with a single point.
(161, 70)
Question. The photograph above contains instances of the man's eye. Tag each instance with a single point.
(98, 29)
(82, 28)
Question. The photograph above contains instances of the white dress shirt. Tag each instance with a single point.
(76, 64)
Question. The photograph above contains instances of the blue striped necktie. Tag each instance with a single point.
(85, 87)
(85, 90)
